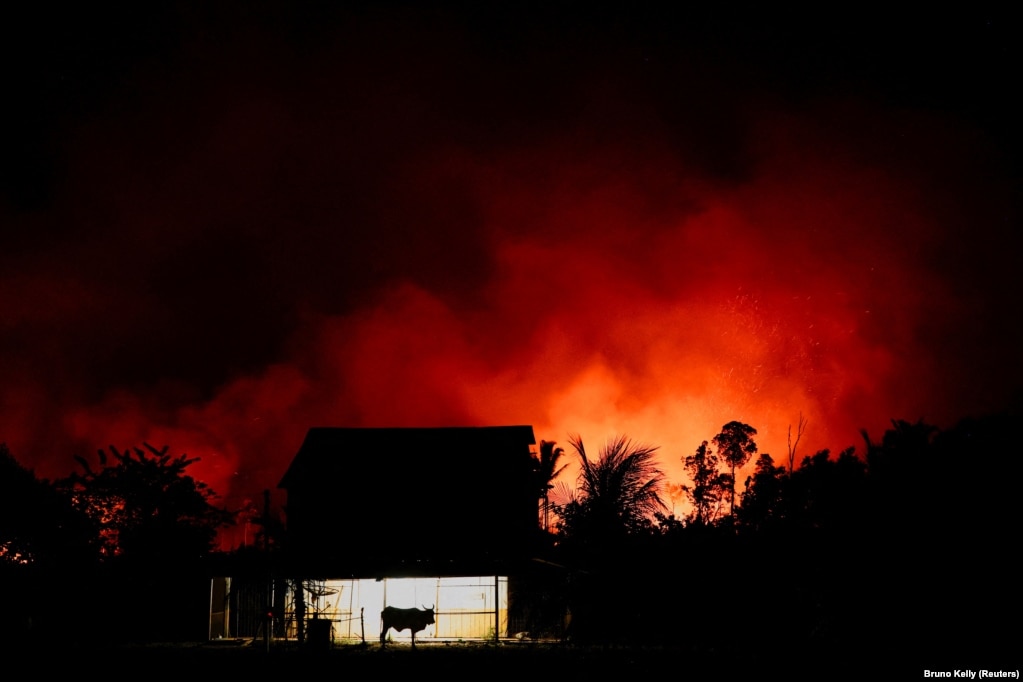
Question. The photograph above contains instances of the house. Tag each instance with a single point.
(442, 517)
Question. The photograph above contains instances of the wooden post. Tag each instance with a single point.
(300, 610)
(209, 634)
(268, 618)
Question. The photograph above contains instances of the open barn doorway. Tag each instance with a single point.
(465, 608)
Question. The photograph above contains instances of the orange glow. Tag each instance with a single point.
(616, 289)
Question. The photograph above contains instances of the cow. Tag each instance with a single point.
(404, 619)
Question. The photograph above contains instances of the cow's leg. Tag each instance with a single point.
(383, 632)
(413, 639)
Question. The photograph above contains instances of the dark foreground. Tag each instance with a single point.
(508, 660)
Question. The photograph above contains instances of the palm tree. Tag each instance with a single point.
(547, 469)
(618, 491)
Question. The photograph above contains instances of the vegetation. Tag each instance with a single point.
(39, 526)
(708, 488)
(619, 492)
(126, 536)
(547, 469)
(851, 550)
(144, 505)
(735, 446)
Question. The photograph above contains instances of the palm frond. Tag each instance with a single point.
(624, 481)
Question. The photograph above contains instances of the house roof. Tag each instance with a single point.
(420, 453)
(373, 501)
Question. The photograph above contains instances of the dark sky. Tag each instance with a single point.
(221, 226)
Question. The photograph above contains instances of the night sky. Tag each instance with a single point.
(220, 227)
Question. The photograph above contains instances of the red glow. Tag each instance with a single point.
(280, 259)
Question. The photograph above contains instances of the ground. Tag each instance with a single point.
(522, 659)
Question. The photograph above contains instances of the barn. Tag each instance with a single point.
(408, 517)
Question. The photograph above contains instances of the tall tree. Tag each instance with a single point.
(709, 485)
(547, 469)
(735, 446)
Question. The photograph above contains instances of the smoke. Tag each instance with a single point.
(406, 227)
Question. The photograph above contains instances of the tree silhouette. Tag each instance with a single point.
(792, 445)
(43, 540)
(736, 446)
(607, 531)
(547, 469)
(831, 491)
(619, 492)
(709, 485)
(156, 525)
(145, 505)
(38, 526)
(763, 498)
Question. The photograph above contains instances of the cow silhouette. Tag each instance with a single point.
(415, 620)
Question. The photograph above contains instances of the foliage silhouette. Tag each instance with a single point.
(145, 506)
(38, 525)
(547, 470)
(760, 507)
(155, 526)
(619, 492)
(735, 446)
(916, 527)
(43, 540)
(709, 485)
(827, 494)
(606, 531)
